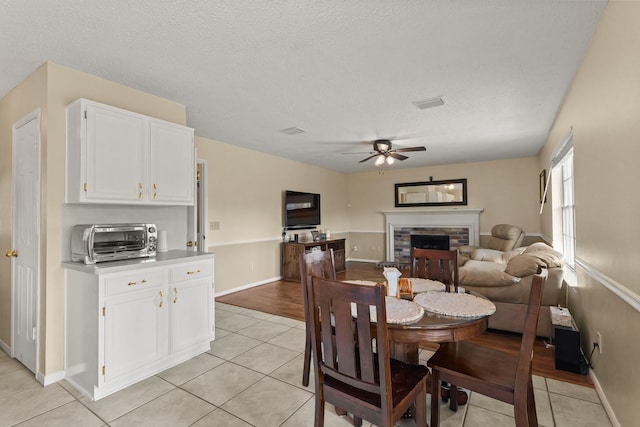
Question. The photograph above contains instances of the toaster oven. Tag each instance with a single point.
(110, 242)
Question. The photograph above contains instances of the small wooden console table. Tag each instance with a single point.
(290, 259)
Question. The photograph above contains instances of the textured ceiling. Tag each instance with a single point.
(344, 71)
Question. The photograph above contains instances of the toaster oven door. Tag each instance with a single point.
(119, 241)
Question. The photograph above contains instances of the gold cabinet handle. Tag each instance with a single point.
(161, 300)
(132, 283)
(193, 272)
(139, 190)
(155, 188)
(175, 295)
(13, 253)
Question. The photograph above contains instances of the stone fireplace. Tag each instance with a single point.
(459, 226)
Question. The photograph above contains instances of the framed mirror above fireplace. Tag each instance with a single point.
(431, 193)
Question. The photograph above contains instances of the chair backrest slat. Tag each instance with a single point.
(345, 346)
(435, 264)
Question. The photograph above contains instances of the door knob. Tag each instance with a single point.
(13, 253)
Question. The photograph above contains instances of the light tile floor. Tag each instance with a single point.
(250, 377)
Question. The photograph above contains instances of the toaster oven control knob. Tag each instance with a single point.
(152, 229)
(152, 247)
(152, 238)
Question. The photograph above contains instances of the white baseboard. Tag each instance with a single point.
(249, 286)
(45, 380)
(5, 347)
(364, 260)
(605, 403)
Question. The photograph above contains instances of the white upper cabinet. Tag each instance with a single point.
(172, 163)
(117, 156)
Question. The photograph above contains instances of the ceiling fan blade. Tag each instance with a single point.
(368, 158)
(405, 149)
(398, 156)
(358, 152)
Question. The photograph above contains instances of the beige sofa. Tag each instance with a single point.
(504, 237)
(505, 278)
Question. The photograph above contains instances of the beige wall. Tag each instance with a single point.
(52, 87)
(245, 197)
(507, 190)
(603, 106)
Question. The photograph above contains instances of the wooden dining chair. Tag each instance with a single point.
(353, 367)
(490, 372)
(440, 265)
(318, 264)
(436, 264)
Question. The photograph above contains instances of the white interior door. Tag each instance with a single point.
(25, 239)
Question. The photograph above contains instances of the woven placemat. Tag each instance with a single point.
(399, 311)
(425, 285)
(457, 305)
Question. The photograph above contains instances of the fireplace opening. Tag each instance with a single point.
(430, 241)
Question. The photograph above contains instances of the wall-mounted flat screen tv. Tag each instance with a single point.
(301, 210)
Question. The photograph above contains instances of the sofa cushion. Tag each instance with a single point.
(505, 237)
(524, 265)
(483, 254)
(482, 273)
(547, 255)
(492, 255)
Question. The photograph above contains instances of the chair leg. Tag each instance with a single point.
(525, 409)
(531, 405)
(453, 397)
(421, 408)
(435, 398)
(357, 421)
(319, 421)
(307, 361)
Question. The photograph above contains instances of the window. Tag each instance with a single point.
(564, 226)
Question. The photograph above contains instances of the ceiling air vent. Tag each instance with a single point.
(292, 130)
(423, 104)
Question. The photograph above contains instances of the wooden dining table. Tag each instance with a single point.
(431, 328)
(405, 339)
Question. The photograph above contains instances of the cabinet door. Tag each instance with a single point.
(116, 143)
(190, 314)
(172, 163)
(135, 331)
(291, 261)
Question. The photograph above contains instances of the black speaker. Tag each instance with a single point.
(569, 355)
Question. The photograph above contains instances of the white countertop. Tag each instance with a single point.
(162, 258)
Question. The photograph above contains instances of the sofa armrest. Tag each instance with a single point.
(466, 250)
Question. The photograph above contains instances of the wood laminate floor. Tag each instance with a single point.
(284, 298)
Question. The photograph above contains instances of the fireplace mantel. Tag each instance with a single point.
(432, 218)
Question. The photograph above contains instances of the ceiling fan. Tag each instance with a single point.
(384, 152)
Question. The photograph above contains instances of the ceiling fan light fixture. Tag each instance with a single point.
(382, 145)
(423, 104)
(390, 160)
(380, 160)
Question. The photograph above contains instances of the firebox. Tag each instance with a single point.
(430, 241)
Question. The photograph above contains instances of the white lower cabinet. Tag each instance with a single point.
(125, 326)
(135, 332)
